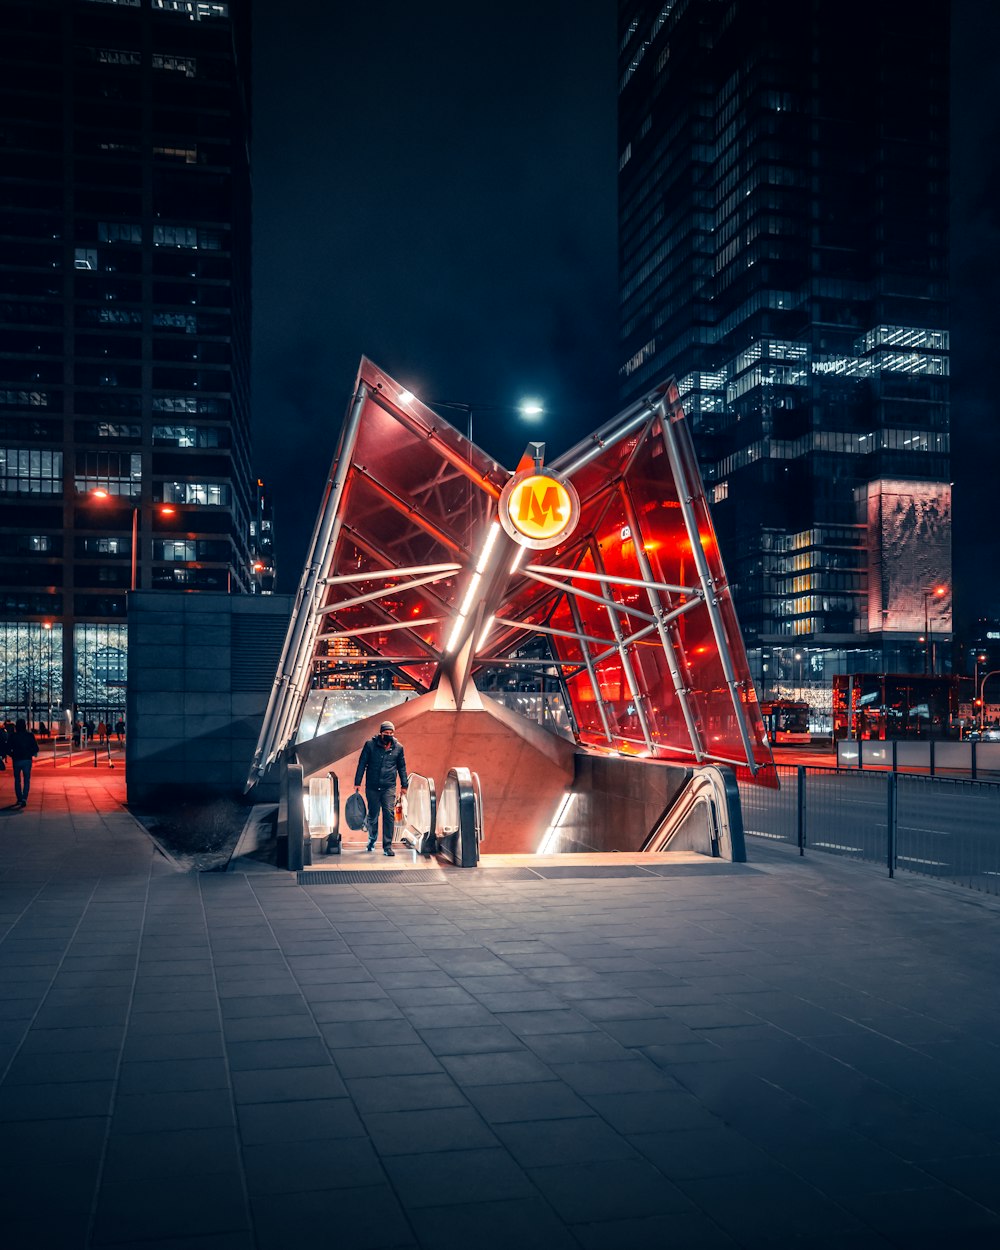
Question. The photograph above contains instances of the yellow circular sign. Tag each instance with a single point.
(539, 510)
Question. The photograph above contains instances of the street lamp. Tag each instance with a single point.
(935, 592)
(99, 492)
(980, 659)
(982, 702)
(527, 409)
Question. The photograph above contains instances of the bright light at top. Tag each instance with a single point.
(531, 408)
(100, 493)
(940, 590)
(406, 397)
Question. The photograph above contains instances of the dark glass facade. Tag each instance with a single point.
(783, 196)
(124, 322)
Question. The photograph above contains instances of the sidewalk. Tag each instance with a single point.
(788, 1053)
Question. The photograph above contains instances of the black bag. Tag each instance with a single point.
(355, 812)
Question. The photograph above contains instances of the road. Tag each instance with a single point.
(946, 827)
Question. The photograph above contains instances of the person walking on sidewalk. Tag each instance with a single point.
(380, 762)
(22, 749)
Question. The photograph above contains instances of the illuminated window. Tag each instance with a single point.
(196, 10)
(30, 471)
(188, 155)
(176, 549)
(118, 473)
(85, 258)
(187, 435)
(210, 494)
(186, 65)
(119, 232)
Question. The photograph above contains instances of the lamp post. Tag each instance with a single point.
(934, 592)
(164, 510)
(980, 659)
(528, 409)
(982, 702)
(47, 626)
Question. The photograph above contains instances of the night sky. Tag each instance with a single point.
(434, 187)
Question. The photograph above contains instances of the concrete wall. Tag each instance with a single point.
(200, 669)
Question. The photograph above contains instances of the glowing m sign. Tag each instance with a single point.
(538, 510)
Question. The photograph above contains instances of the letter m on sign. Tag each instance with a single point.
(541, 506)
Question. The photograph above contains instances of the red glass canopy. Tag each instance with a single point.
(408, 565)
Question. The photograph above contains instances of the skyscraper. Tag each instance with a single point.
(124, 327)
(783, 239)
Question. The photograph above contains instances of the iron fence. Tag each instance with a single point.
(943, 827)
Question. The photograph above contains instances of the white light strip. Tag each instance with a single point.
(453, 639)
(485, 633)
(517, 559)
(470, 594)
(491, 538)
(543, 846)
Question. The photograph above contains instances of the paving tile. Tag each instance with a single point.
(369, 1033)
(478, 1039)
(157, 1023)
(427, 1131)
(652, 1111)
(287, 1084)
(586, 1192)
(55, 1100)
(690, 1229)
(269, 1028)
(365, 1218)
(164, 1075)
(144, 1048)
(262, 1005)
(497, 1068)
(142, 1113)
(287, 1052)
(535, 1100)
(340, 1011)
(585, 1139)
(140, 1210)
(40, 1069)
(408, 1092)
(473, 1176)
(183, 1153)
(299, 1121)
(380, 1060)
(623, 1076)
(527, 1223)
(324, 1163)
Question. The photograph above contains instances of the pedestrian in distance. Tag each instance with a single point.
(22, 749)
(3, 748)
(381, 761)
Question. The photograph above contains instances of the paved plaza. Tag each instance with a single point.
(787, 1053)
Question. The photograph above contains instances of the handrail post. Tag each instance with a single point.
(800, 814)
(891, 813)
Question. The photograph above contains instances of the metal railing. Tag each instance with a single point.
(943, 827)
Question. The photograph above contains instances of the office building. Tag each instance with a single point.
(124, 329)
(783, 250)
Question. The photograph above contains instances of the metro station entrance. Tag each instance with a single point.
(436, 575)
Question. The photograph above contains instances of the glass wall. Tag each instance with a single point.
(31, 672)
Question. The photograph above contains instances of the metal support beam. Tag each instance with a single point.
(681, 689)
(685, 496)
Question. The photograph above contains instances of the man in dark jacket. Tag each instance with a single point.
(22, 749)
(381, 760)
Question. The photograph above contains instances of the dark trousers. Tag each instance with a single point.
(383, 801)
(22, 780)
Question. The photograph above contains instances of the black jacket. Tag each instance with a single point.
(21, 745)
(381, 765)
